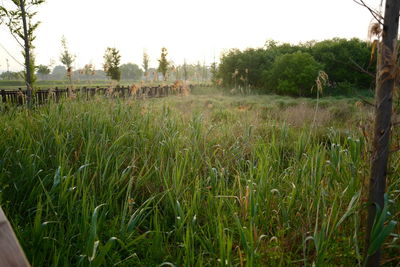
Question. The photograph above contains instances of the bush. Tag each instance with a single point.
(341, 59)
(293, 74)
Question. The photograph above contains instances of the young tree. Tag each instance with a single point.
(185, 70)
(204, 73)
(386, 75)
(67, 59)
(19, 21)
(198, 71)
(214, 73)
(88, 70)
(43, 71)
(163, 63)
(145, 64)
(111, 64)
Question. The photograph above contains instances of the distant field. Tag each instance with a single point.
(190, 181)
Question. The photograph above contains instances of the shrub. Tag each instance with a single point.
(293, 74)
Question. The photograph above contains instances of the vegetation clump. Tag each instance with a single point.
(188, 181)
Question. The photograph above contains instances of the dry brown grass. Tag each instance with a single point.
(303, 114)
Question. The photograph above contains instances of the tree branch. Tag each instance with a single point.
(358, 67)
(378, 17)
(365, 101)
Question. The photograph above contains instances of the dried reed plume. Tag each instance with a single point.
(134, 89)
(374, 30)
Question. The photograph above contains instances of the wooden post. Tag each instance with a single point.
(3, 96)
(11, 253)
(57, 94)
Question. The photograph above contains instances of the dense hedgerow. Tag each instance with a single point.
(345, 61)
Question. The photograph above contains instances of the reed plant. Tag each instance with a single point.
(172, 182)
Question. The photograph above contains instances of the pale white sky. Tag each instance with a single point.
(195, 30)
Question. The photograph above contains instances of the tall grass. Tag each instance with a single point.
(177, 182)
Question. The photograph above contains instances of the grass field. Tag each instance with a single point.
(202, 180)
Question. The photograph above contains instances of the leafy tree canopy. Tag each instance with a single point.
(111, 64)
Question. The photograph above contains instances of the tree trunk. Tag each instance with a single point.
(385, 82)
(28, 78)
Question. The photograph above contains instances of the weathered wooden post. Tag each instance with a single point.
(57, 94)
(11, 253)
(3, 96)
(14, 97)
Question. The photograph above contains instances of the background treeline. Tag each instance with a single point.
(292, 69)
(129, 72)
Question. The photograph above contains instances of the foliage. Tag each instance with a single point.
(185, 70)
(43, 71)
(20, 23)
(11, 75)
(88, 70)
(163, 63)
(131, 71)
(345, 62)
(58, 72)
(66, 58)
(255, 60)
(111, 64)
(293, 74)
(214, 73)
(145, 64)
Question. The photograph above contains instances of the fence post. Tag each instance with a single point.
(3, 96)
(57, 94)
(86, 92)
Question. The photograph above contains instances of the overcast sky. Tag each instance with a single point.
(195, 30)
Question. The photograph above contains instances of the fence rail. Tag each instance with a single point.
(40, 97)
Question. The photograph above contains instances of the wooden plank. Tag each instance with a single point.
(11, 253)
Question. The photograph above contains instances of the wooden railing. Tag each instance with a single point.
(40, 97)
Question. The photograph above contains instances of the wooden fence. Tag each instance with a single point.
(40, 97)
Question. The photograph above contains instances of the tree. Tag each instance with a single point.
(131, 71)
(293, 74)
(163, 63)
(43, 71)
(22, 27)
(88, 70)
(344, 59)
(58, 72)
(67, 59)
(386, 75)
(214, 73)
(198, 71)
(185, 70)
(10, 75)
(145, 64)
(204, 74)
(112, 60)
